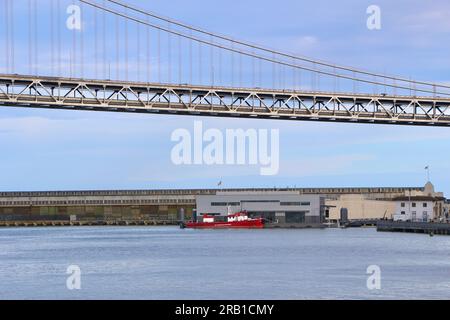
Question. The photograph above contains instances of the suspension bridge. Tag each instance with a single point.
(107, 55)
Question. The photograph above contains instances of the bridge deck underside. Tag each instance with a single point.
(61, 93)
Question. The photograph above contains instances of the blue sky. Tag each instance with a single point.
(54, 150)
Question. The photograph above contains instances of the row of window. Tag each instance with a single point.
(298, 204)
(414, 213)
(101, 193)
(188, 192)
(225, 204)
(414, 216)
(92, 202)
(236, 204)
(414, 205)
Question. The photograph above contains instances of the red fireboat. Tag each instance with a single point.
(238, 220)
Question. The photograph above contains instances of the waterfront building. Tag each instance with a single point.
(283, 208)
(172, 205)
(421, 207)
(380, 205)
(447, 210)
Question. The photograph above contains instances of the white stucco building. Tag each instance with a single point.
(427, 207)
(416, 209)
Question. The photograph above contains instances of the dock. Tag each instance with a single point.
(59, 223)
(414, 227)
(360, 223)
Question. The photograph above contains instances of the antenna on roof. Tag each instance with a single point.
(428, 173)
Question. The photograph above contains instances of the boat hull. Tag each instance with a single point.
(248, 224)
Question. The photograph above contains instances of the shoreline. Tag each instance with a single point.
(119, 223)
(128, 223)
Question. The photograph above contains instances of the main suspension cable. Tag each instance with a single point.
(271, 60)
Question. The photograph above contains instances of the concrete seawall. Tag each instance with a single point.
(59, 223)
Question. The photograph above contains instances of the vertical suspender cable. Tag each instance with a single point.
(200, 62)
(6, 28)
(148, 61)
(52, 37)
(191, 62)
(253, 71)
(36, 42)
(240, 70)
(299, 72)
(232, 65)
(180, 61)
(337, 83)
(169, 53)
(294, 77)
(96, 43)
(375, 85)
(30, 42)
(138, 49)
(12, 38)
(105, 63)
(318, 81)
(82, 41)
(159, 56)
(58, 32)
(219, 67)
(126, 47)
(74, 49)
(260, 73)
(334, 81)
(274, 79)
(211, 61)
(117, 48)
(13, 51)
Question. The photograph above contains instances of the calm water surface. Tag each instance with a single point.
(169, 263)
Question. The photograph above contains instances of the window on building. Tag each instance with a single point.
(295, 217)
(403, 212)
(224, 204)
(290, 203)
(425, 204)
(403, 204)
(414, 204)
(218, 204)
(305, 203)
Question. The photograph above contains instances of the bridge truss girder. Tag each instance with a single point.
(115, 96)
